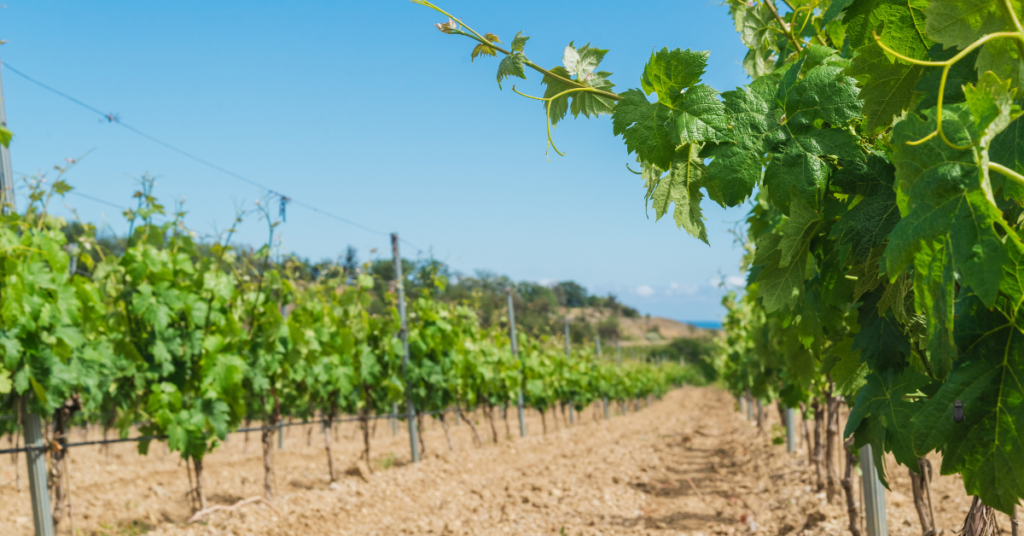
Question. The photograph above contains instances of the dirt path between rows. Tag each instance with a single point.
(689, 464)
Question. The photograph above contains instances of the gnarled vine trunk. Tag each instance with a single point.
(364, 423)
(490, 417)
(472, 426)
(807, 434)
(852, 504)
(197, 465)
(447, 433)
(819, 447)
(58, 459)
(831, 441)
(326, 427)
(267, 440)
(980, 520)
(245, 444)
(920, 482)
(504, 416)
(543, 423)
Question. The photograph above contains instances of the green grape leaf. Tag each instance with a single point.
(881, 340)
(849, 372)
(5, 381)
(579, 102)
(519, 42)
(987, 447)
(1002, 57)
(783, 120)
(511, 65)
(39, 390)
(779, 287)
(755, 25)
(887, 87)
(485, 50)
(881, 399)
(668, 73)
(900, 24)
(797, 231)
(1008, 149)
(482, 50)
(824, 94)
(5, 136)
(990, 104)
(867, 224)
(797, 170)
(700, 116)
(643, 125)
(960, 74)
(680, 186)
(872, 432)
(835, 8)
(933, 281)
(736, 167)
(580, 63)
(959, 23)
(942, 188)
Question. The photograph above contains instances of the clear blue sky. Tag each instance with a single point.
(366, 110)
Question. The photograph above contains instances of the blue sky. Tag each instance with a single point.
(367, 111)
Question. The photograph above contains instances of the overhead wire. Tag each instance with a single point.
(86, 196)
(111, 117)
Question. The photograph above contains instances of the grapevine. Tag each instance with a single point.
(884, 256)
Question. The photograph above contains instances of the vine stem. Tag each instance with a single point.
(785, 29)
(547, 108)
(1007, 172)
(477, 37)
(946, 65)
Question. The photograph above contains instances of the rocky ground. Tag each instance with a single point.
(689, 464)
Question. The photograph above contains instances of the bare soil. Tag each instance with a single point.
(689, 464)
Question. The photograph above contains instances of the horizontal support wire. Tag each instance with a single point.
(399, 416)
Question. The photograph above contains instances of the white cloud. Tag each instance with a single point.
(732, 281)
(547, 282)
(645, 290)
(676, 288)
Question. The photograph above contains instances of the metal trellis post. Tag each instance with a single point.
(394, 419)
(6, 175)
(410, 408)
(790, 430)
(522, 368)
(42, 516)
(874, 495)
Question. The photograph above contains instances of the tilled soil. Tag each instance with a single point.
(689, 464)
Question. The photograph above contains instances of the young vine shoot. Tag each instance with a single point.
(879, 145)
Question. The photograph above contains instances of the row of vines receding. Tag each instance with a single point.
(167, 337)
(879, 146)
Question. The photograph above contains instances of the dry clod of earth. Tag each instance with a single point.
(690, 464)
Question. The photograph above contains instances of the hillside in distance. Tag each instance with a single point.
(636, 331)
